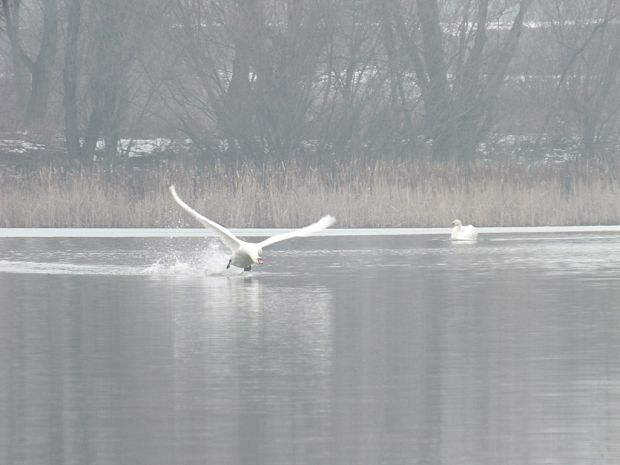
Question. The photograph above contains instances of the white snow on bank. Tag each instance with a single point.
(127, 147)
(497, 146)
(140, 147)
(19, 146)
(456, 28)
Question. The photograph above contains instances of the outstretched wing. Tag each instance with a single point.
(227, 237)
(323, 223)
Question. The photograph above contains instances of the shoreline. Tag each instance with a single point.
(48, 233)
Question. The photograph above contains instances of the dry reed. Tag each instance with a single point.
(383, 194)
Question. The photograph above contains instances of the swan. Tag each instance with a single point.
(463, 233)
(245, 254)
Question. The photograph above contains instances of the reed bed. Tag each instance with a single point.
(381, 194)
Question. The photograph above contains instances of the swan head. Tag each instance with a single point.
(456, 223)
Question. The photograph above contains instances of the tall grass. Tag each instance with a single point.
(383, 194)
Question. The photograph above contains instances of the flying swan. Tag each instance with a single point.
(463, 233)
(245, 254)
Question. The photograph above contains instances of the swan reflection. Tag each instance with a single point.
(253, 355)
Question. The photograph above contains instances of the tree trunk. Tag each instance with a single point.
(70, 77)
(437, 101)
(238, 110)
(110, 124)
(398, 100)
(501, 65)
(470, 105)
(42, 66)
(11, 17)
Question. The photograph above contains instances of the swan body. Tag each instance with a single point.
(463, 233)
(245, 254)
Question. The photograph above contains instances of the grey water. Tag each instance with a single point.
(341, 349)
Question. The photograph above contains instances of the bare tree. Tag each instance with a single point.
(70, 80)
(105, 41)
(255, 64)
(277, 79)
(35, 67)
(41, 68)
(458, 74)
(11, 12)
(584, 38)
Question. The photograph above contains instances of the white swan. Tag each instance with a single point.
(245, 254)
(463, 233)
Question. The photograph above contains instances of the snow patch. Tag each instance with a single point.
(20, 146)
(139, 147)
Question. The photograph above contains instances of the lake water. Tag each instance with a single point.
(341, 349)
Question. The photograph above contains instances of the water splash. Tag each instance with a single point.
(211, 261)
(200, 260)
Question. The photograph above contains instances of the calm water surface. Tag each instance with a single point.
(339, 350)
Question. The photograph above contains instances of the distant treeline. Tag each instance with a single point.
(269, 80)
(290, 194)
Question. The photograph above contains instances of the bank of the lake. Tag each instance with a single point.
(380, 194)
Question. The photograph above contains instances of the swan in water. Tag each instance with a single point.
(245, 254)
(463, 233)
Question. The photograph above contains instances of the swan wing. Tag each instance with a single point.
(466, 233)
(323, 223)
(470, 232)
(227, 237)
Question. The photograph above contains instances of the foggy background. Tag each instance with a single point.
(255, 80)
